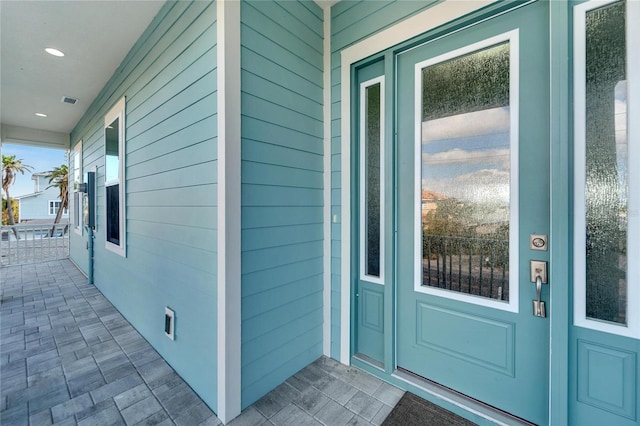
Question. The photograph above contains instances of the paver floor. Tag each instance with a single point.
(69, 357)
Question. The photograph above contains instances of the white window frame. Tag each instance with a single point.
(117, 112)
(52, 207)
(512, 37)
(363, 187)
(632, 328)
(76, 208)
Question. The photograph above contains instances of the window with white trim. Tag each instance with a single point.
(54, 206)
(372, 180)
(606, 182)
(114, 161)
(466, 199)
(76, 199)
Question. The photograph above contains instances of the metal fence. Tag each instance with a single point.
(475, 266)
(20, 244)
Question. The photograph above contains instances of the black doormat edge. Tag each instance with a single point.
(412, 410)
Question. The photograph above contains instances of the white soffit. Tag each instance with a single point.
(95, 37)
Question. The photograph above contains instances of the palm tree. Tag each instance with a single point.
(11, 166)
(59, 178)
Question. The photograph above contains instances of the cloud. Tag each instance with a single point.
(457, 155)
(486, 185)
(484, 122)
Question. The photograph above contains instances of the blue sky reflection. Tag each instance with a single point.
(467, 156)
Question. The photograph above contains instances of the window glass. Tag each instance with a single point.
(465, 173)
(54, 206)
(113, 214)
(372, 179)
(606, 174)
(112, 162)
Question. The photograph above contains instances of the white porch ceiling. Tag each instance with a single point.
(95, 37)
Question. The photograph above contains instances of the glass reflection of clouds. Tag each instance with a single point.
(466, 156)
(465, 141)
(620, 111)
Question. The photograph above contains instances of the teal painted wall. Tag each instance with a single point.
(282, 191)
(169, 80)
(352, 21)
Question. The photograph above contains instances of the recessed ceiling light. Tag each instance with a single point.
(54, 52)
(39, 114)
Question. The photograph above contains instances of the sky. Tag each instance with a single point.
(41, 159)
(467, 156)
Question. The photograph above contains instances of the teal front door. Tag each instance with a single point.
(472, 205)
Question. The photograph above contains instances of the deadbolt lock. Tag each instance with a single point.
(538, 242)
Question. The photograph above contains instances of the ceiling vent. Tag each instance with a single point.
(68, 100)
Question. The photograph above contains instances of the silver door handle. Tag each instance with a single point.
(539, 309)
(539, 276)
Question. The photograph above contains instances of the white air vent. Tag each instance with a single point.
(68, 100)
(169, 323)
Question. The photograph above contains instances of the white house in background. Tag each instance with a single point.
(43, 203)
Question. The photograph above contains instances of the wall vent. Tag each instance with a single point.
(69, 100)
(169, 323)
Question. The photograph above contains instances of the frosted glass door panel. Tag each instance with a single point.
(606, 189)
(465, 173)
(371, 182)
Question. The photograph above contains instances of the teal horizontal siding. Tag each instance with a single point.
(197, 196)
(352, 21)
(288, 118)
(262, 238)
(262, 195)
(197, 132)
(257, 152)
(284, 30)
(288, 98)
(270, 174)
(256, 260)
(278, 298)
(301, 21)
(172, 107)
(200, 108)
(299, 331)
(261, 280)
(169, 79)
(264, 217)
(279, 74)
(197, 174)
(274, 134)
(182, 234)
(282, 191)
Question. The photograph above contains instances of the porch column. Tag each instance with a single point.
(229, 283)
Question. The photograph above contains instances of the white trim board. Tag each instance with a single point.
(118, 111)
(411, 27)
(76, 151)
(326, 214)
(229, 302)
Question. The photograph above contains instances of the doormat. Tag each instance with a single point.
(412, 410)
